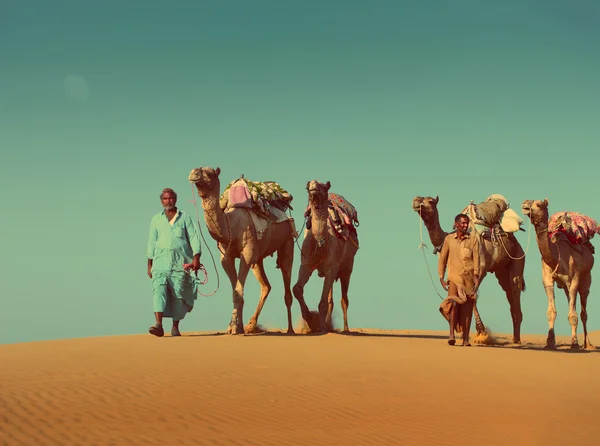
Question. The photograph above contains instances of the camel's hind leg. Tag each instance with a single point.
(511, 281)
(584, 291)
(265, 288)
(345, 283)
(285, 260)
(329, 318)
(571, 293)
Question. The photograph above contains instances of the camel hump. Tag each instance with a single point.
(578, 228)
(495, 210)
(258, 196)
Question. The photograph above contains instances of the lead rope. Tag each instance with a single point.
(422, 247)
(202, 268)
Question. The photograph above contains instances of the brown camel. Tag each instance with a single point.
(237, 239)
(331, 256)
(505, 259)
(570, 266)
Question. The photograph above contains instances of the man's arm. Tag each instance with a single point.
(442, 261)
(152, 238)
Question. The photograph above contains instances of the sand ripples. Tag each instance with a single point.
(140, 390)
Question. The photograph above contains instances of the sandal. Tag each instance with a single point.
(175, 332)
(157, 330)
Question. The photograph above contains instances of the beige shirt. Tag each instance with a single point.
(462, 259)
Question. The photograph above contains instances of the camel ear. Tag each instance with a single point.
(307, 185)
(328, 185)
(545, 202)
(217, 171)
(437, 198)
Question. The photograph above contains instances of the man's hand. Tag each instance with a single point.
(195, 264)
(444, 284)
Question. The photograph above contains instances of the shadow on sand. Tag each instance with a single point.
(530, 346)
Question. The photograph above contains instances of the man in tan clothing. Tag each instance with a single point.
(460, 254)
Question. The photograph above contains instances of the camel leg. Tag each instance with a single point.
(265, 288)
(238, 280)
(548, 283)
(228, 265)
(573, 319)
(285, 260)
(327, 285)
(584, 291)
(298, 290)
(328, 320)
(478, 322)
(511, 282)
(345, 283)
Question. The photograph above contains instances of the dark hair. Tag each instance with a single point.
(168, 189)
(459, 216)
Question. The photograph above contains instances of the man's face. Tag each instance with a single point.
(462, 225)
(168, 201)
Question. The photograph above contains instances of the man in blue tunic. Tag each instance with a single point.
(172, 243)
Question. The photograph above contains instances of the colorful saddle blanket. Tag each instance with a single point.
(578, 228)
(343, 216)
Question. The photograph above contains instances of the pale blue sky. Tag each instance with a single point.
(103, 104)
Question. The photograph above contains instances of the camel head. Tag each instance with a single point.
(206, 180)
(536, 210)
(426, 207)
(318, 194)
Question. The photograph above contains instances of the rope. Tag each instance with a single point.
(422, 247)
(202, 268)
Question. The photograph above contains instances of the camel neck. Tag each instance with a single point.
(547, 249)
(319, 224)
(215, 218)
(436, 233)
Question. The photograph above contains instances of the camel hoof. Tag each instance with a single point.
(550, 346)
(235, 330)
(575, 346)
(290, 331)
(252, 328)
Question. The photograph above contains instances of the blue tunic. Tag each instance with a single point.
(170, 247)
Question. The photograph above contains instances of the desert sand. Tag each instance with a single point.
(371, 388)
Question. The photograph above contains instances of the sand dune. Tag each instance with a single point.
(373, 388)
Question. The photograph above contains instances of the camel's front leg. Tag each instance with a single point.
(323, 305)
(548, 283)
(265, 288)
(573, 319)
(478, 322)
(303, 275)
(228, 264)
(584, 291)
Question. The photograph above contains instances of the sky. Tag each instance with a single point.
(104, 104)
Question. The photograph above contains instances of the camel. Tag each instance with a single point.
(570, 266)
(331, 256)
(508, 266)
(237, 239)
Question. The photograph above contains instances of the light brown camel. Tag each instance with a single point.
(570, 266)
(505, 259)
(331, 256)
(237, 239)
